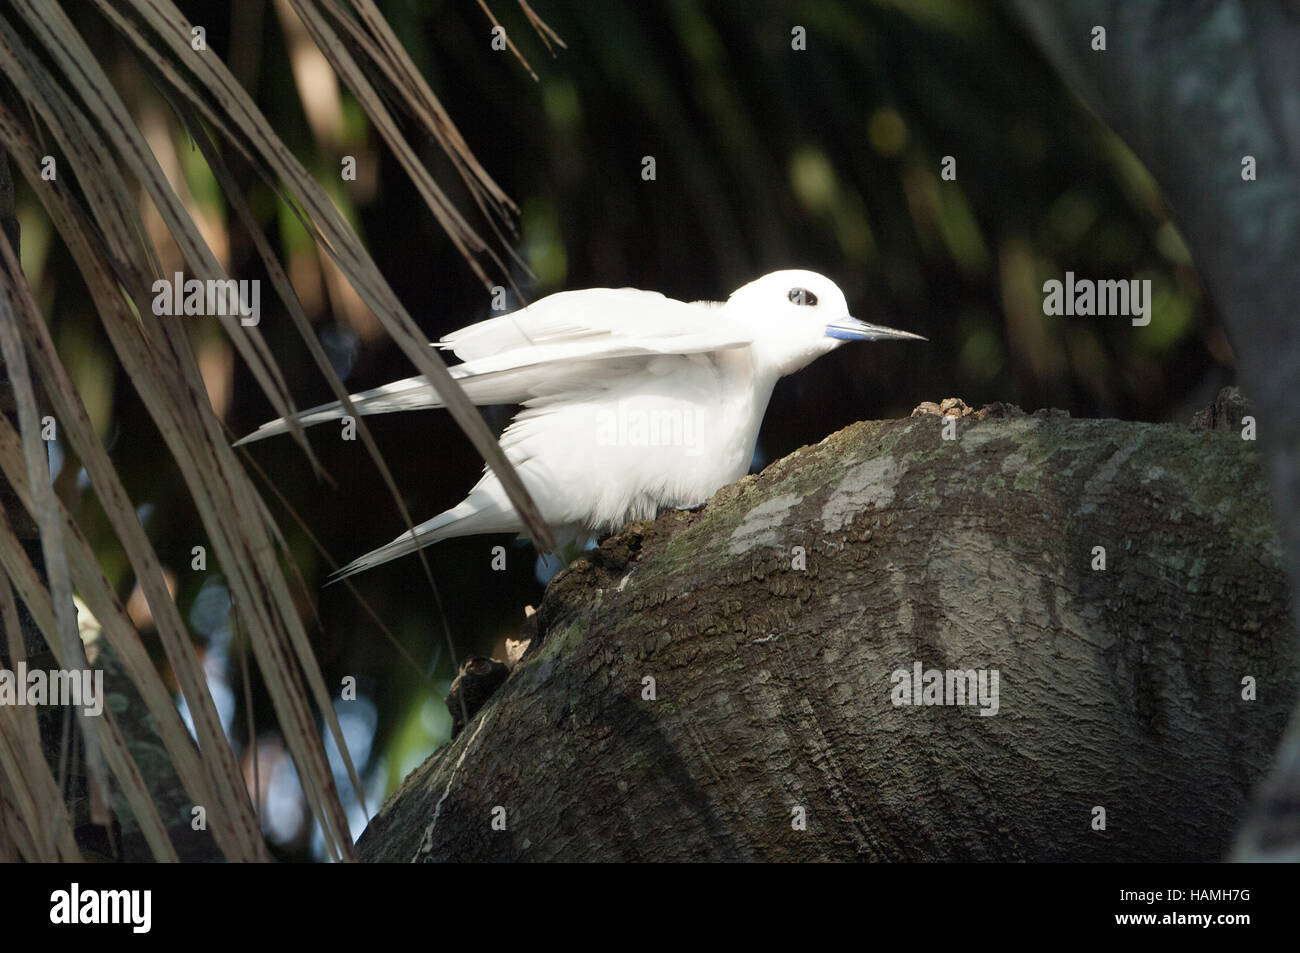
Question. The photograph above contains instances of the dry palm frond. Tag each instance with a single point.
(67, 97)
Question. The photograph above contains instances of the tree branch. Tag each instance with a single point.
(773, 685)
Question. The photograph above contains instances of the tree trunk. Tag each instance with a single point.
(1206, 95)
(704, 685)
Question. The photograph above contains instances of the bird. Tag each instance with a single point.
(631, 402)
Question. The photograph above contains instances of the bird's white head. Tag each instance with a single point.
(797, 316)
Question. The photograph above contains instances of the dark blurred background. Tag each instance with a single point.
(766, 157)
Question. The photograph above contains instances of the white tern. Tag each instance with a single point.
(632, 401)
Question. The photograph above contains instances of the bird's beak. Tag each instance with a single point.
(851, 329)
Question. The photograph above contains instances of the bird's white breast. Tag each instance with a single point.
(664, 432)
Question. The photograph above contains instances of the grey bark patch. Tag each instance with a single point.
(867, 484)
(759, 526)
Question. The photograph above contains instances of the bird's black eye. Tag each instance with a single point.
(802, 296)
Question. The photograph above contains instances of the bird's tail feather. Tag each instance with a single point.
(506, 385)
(479, 513)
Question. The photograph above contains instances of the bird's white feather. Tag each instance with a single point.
(531, 352)
(595, 319)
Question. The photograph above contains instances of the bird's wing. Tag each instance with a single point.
(535, 351)
(594, 319)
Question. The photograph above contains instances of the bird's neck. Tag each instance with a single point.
(762, 382)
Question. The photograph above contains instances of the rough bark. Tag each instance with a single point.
(1120, 688)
